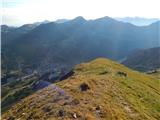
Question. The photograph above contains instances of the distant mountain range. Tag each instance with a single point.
(144, 59)
(138, 21)
(73, 42)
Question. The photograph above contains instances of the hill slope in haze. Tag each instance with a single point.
(17, 85)
(144, 60)
(138, 21)
(75, 41)
(101, 89)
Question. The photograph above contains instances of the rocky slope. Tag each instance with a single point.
(98, 90)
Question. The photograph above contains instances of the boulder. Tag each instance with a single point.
(84, 87)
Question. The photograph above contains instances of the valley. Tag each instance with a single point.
(101, 69)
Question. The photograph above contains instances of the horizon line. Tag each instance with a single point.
(115, 18)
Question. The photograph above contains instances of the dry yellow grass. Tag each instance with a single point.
(113, 92)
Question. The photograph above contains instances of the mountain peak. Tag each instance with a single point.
(79, 19)
(106, 18)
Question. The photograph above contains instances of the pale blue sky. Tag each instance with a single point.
(18, 12)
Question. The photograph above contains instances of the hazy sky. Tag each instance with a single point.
(18, 12)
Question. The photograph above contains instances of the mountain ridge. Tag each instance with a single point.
(100, 89)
